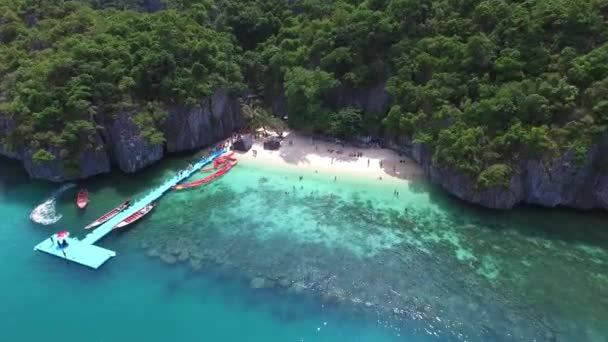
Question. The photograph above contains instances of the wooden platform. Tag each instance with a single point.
(86, 253)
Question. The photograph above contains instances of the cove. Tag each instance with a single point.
(261, 255)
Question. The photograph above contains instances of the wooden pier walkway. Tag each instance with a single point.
(84, 251)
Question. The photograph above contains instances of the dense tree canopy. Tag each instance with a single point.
(67, 66)
(483, 83)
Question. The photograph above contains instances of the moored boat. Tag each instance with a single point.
(82, 199)
(227, 166)
(106, 217)
(135, 216)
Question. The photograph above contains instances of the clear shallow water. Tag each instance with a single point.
(252, 258)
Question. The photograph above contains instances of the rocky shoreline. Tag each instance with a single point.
(561, 183)
(119, 143)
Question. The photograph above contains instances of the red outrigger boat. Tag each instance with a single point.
(228, 164)
(135, 216)
(82, 199)
(109, 215)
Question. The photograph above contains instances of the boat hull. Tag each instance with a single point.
(227, 162)
(82, 199)
(108, 216)
(135, 216)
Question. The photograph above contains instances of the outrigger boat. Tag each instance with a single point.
(228, 163)
(109, 215)
(82, 199)
(135, 216)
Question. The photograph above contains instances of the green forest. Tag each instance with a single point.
(483, 84)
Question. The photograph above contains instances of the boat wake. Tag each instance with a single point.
(45, 212)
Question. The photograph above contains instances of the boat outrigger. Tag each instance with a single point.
(135, 216)
(109, 215)
(226, 162)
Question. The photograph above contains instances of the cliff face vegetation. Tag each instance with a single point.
(70, 73)
(503, 101)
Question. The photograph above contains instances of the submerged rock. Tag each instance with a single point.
(196, 264)
(298, 287)
(259, 283)
(168, 258)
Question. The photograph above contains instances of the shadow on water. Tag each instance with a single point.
(12, 174)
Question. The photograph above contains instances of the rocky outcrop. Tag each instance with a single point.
(561, 183)
(131, 151)
(120, 141)
(214, 119)
(90, 162)
(6, 126)
(243, 143)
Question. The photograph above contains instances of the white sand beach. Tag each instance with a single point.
(302, 152)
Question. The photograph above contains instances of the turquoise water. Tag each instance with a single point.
(261, 255)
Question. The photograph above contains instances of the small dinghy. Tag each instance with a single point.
(82, 199)
(109, 215)
(135, 216)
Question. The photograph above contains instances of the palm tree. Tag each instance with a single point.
(258, 117)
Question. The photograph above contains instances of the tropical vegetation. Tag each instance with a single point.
(484, 84)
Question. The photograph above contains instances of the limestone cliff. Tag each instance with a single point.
(130, 151)
(120, 143)
(213, 120)
(561, 183)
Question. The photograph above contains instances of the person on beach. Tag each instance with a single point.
(381, 164)
(335, 178)
(367, 162)
(301, 177)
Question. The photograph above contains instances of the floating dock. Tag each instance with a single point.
(84, 251)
